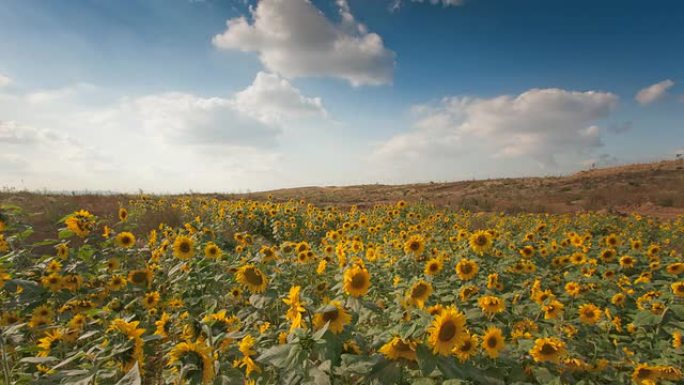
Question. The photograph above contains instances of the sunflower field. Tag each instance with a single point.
(266, 292)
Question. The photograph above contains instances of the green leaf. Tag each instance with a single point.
(276, 355)
(426, 360)
(544, 376)
(38, 360)
(64, 234)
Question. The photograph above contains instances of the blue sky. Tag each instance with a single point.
(165, 96)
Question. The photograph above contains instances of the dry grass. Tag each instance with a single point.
(654, 189)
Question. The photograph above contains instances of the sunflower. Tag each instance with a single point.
(125, 240)
(53, 282)
(117, 282)
(123, 214)
(335, 314)
(627, 262)
(573, 289)
(645, 374)
(493, 342)
(183, 247)
(527, 251)
(10, 318)
(447, 330)
(466, 348)
(589, 313)
(150, 300)
(47, 343)
(245, 347)
(212, 251)
(140, 277)
(251, 277)
(130, 330)
(195, 358)
(397, 348)
(480, 241)
(62, 250)
(433, 266)
(553, 310)
(548, 349)
(356, 280)
(467, 269)
(419, 293)
(295, 311)
(678, 289)
(675, 268)
(491, 305)
(415, 245)
(80, 223)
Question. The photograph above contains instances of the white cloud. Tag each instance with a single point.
(396, 4)
(445, 3)
(271, 98)
(4, 80)
(539, 123)
(82, 137)
(295, 39)
(653, 92)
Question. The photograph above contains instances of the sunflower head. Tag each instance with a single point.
(447, 330)
(251, 277)
(356, 280)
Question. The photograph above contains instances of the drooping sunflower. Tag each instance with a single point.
(356, 280)
(645, 374)
(251, 277)
(467, 269)
(123, 214)
(80, 223)
(296, 308)
(245, 347)
(480, 242)
(447, 330)
(419, 293)
(196, 359)
(125, 240)
(62, 250)
(134, 354)
(47, 343)
(553, 310)
(491, 305)
(183, 247)
(548, 349)
(493, 342)
(433, 266)
(589, 313)
(334, 313)
(466, 348)
(397, 348)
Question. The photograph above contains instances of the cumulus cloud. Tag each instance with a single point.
(539, 123)
(653, 92)
(4, 80)
(295, 39)
(270, 99)
(82, 136)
